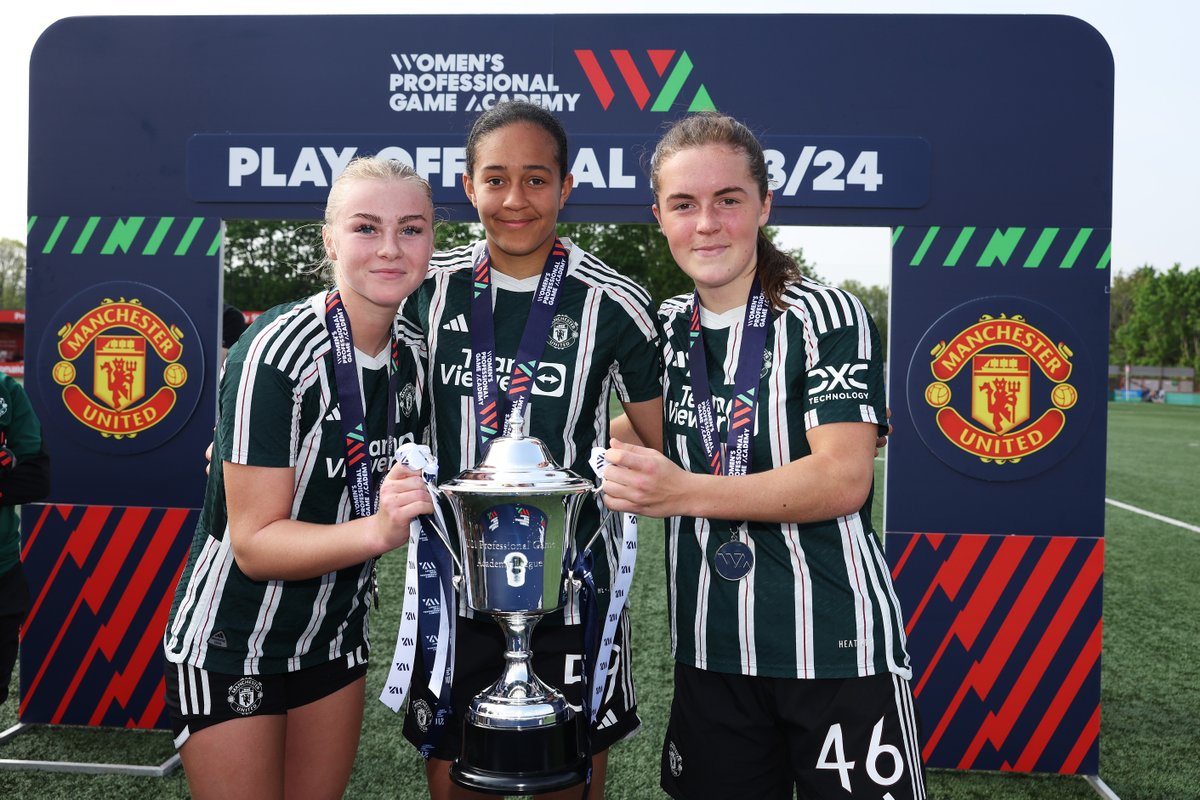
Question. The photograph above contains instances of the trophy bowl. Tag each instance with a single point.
(515, 513)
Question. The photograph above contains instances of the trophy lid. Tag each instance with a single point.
(517, 463)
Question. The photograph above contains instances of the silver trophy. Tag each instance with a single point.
(516, 513)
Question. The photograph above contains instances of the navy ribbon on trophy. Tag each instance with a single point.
(435, 629)
(585, 581)
(490, 407)
(428, 615)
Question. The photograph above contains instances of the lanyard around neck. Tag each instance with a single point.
(740, 413)
(360, 479)
(492, 411)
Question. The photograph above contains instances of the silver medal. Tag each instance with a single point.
(734, 560)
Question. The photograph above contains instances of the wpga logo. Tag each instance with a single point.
(671, 76)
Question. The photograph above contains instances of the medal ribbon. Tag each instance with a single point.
(361, 482)
(428, 613)
(740, 416)
(492, 412)
(740, 413)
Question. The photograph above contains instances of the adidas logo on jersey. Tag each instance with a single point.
(335, 414)
(218, 639)
(458, 324)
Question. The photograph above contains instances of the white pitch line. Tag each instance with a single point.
(1152, 515)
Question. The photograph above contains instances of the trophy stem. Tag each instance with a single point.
(520, 736)
(518, 682)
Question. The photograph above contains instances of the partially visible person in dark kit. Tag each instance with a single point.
(24, 478)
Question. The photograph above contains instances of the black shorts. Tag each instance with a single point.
(14, 605)
(198, 698)
(557, 660)
(739, 736)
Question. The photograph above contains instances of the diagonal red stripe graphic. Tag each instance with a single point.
(97, 588)
(913, 541)
(154, 709)
(99, 584)
(1082, 587)
(987, 594)
(126, 679)
(1087, 740)
(595, 75)
(950, 575)
(49, 658)
(31, 536)
(1063, 698)
(633, 78)
(968, 622)
(983, 675)
(79, 546)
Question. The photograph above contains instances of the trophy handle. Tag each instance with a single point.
(436, 522)
(608, 512)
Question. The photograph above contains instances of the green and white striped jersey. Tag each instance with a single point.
(819, 601)
(278, 407)
(604, 336)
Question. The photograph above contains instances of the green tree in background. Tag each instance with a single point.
(1121, 304)
(641, 252)
(875, 300)
(638, 250)
(12, 274)
(270, 261)
(1164, 326)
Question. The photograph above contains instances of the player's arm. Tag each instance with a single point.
(833, 481)
(641, 424)
(24, 464)
(269, 545)
(27, 481)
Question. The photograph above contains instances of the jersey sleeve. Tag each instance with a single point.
(29, 480)
(22, 430)
(259, 416)
(410, 318)
(842, 378)
(637, 367)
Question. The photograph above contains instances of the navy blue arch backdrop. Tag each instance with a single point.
(983, 142)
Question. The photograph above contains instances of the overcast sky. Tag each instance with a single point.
(1156, 170)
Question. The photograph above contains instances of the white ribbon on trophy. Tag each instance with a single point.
(395, 691)
(626, 559)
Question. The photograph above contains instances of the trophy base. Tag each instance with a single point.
(530, 761)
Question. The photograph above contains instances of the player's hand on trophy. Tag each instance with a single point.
(641, 480)
(403, 496)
